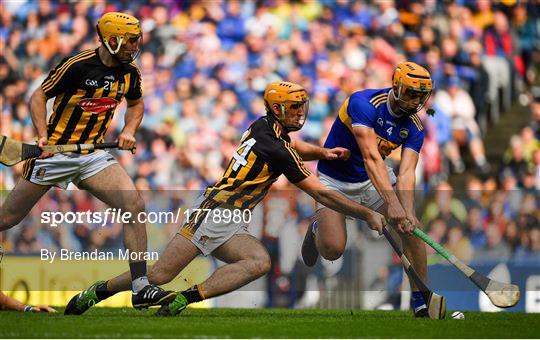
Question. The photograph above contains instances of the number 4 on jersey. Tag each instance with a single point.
(240, 154)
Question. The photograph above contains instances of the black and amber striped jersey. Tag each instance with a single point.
(264, 154)
(86, 94)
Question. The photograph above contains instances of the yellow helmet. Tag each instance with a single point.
(411, 87)
(290, 97)
(123, 27)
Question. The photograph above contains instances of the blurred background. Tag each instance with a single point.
(205, 65)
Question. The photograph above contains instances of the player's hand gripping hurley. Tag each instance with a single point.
(13, 152)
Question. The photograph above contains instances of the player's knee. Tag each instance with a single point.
(414, 244)
(134, 204)
(332, 252)
(8, 220)
(158, 277)
(410, 240)
(259, 265)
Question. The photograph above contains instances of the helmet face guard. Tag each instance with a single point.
(125, 30)
(292, 101)
(411, 87)
(293, 114)
(410, 100)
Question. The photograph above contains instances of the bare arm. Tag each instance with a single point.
(406, 182)
(38, 113)
(336, 201)
(9, 303)
(376, 169)
(132, 120)
(310, 152)
(307, 151)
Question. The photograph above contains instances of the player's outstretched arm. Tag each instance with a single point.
(338, 202)
(8, 303)
(310, 152)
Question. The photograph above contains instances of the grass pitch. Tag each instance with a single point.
(264, 323)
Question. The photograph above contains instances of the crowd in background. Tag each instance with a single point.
(205, 65)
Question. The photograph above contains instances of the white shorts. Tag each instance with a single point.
(210, 229)
(61, 169)
(364, 193)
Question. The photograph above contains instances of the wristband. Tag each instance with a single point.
(28, 308)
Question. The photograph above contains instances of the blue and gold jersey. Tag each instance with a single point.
(368, 108)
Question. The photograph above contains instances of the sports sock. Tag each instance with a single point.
(418, 301)
(138, 284)
(138, 275)
(193, 294)
(102, 292)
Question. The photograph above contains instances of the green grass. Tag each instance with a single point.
(264, 323)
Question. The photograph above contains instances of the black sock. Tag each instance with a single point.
(137, 269)
(193, 294)
(102, 292)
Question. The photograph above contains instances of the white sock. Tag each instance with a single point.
(138, 284)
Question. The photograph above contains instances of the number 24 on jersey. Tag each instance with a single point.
(240, 154)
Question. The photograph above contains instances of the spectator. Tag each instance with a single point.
(479, 85)
(530, 251)
(514, 159)
(535, 117)
(536, 167)
(499, 49)
(437, 231)
(460, 108)
(474, 192)
(475, 229)
(459, 245)
(496, 247)
(445, 206)
(512, 236)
